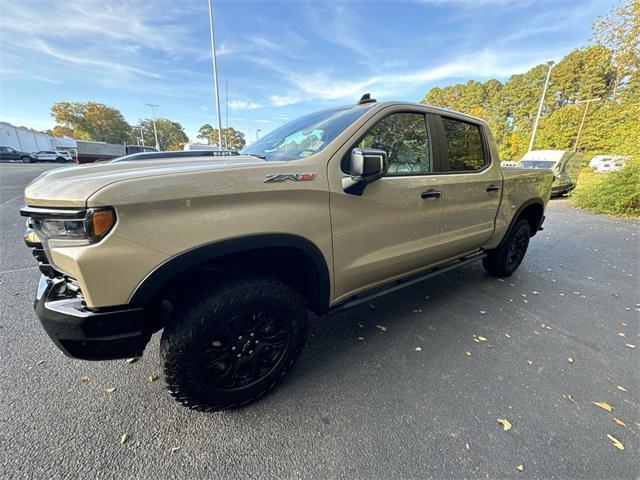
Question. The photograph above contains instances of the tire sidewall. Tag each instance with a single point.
(521, 226)
(194, 325)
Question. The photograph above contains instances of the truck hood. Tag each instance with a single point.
(72, 186)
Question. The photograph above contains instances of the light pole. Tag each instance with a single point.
(153, 119)
(544, 91)
(584, 115)
(215, 74)
(142, 136)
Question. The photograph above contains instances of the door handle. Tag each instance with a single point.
(431, 193)
(493, 188)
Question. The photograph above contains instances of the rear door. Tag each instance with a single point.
(471, 184)
(394, 227)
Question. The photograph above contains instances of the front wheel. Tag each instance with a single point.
(504, 260)
(26, 159)
(232, 342)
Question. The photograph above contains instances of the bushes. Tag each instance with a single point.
(615, 193)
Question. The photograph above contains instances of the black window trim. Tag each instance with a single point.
(443, 157)
(430, 137)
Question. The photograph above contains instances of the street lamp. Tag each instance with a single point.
(584, 115)
(544, 91)
(153, 119)
(215, 74)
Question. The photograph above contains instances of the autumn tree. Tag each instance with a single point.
(91, 121)
(171, 135)
(232, 139)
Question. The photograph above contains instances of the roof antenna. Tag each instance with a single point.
(366, 98)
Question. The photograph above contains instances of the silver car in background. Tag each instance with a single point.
(53, 156)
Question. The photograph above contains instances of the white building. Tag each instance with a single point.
(30, 141)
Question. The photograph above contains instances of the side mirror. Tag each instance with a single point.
(366, 165)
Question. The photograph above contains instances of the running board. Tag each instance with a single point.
(404, 282)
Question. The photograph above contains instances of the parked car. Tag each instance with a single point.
(8, 153)
(175, 154)
(53, 156)
(607, 163)
(564, 164)
(228, 254)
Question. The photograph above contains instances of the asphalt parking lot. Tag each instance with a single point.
(538, 349)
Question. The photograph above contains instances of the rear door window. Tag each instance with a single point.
(464, 149)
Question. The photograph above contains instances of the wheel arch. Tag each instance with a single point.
(533, 211)
(274, 245)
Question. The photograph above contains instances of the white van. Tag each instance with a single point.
(565, 165)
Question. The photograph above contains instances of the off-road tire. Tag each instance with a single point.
(210, 321)
(504, 260)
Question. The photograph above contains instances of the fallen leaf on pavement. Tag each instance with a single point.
(110, 389)
(570, 360)
(174, 449)
(619, 422)
(153, 377)
(39, 362)
(467, 445)
(382, 328)
(84, 378)
(132, 360)
(506, 424)
(621, 388)
(507, 335)
(604, 406)
(616, 442)
(483, 311)
(622, 334)
(361, 338)
(124, 438)
(481, 338)
(468, 354)
(630, 345)
(568, 397)
(520, 468)
(622, 324)
(529, 362)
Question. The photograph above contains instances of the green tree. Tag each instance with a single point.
(620, 32)
(91, 121)
(171, 135)
(232, 139)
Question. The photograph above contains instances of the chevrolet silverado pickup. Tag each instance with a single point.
(227, 255)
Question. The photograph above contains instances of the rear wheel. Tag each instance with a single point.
(26, 159)
(504, 260)
(233, 342)
(60, 160)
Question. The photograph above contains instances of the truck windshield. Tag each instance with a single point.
(304, 136)
(541, 164)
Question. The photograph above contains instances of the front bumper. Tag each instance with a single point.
(89, 334)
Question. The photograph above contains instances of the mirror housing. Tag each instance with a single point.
(366, 165)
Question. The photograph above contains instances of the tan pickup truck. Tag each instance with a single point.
(228, 254)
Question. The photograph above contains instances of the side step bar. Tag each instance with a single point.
(404, 282)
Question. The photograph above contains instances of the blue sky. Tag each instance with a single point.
(280, 59)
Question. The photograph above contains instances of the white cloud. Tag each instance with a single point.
(320, 84)
(243, 105)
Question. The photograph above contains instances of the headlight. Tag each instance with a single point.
(66, 227)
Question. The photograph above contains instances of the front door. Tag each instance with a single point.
(393, 228)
